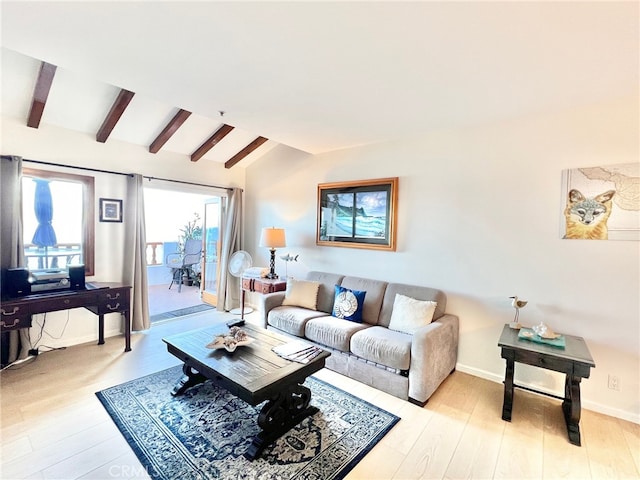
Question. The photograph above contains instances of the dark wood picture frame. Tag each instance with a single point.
(110, 210)
(358, 214)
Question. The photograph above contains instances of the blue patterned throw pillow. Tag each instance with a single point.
(347, 304)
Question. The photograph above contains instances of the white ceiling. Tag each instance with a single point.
(316, 76)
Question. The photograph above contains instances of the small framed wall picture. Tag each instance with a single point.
(110, 210)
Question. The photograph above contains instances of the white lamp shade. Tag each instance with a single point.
(272, 237)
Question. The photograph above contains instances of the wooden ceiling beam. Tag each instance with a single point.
(40, 93)
(118, 108)
(244, 152)
(171, 128)
(211, 142)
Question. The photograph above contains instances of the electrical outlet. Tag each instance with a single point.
(614, 383)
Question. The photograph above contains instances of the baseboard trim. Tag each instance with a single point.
(586, 404)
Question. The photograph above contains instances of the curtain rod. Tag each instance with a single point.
(9, 157)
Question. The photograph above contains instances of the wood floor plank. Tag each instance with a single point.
(68, 449)
(125, 466)
(430, 455)
(413, 421)
(88, 459)
(521, 449)
(381, 464)
(479, 446)
(562, 459)
(599, 433)
(19, 447)
(631, 433)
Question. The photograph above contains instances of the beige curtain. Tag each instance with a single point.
(228, 289)
(11, 241)
(135, 257)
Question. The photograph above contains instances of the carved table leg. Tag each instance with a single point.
(571, 408)
(191, 378)
(279, 415)
(507, 404)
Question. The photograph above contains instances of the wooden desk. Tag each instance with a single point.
(574, 361)
(262, 286)
(100, 299)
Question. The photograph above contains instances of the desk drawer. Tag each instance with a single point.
(55, 303)
(264, 287)
(114, 294)
(544, 361)
(14, 316)
(247, 284)
(114, 299)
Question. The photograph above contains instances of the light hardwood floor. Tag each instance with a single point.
(53, 426)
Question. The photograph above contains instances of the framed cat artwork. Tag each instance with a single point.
(601, 203)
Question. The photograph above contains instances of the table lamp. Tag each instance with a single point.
(272, 238)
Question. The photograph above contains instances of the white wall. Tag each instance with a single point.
(479, 217)
(52, 144)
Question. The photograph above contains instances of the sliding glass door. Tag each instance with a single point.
(175, 214)
(211, 239)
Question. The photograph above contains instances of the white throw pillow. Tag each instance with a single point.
(409, 314)
(302, 293)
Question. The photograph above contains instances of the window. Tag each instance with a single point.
(58, 219)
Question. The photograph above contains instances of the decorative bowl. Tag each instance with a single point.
(234, 339)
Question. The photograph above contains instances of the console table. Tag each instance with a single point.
(574, 361)
(262, 286)
(99, 298)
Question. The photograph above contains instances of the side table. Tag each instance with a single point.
(262, 286)
(574, 361)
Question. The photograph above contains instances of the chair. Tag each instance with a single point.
(181, 263)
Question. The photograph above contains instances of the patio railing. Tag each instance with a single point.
(58, 256)
(152, 253)
(64, 254)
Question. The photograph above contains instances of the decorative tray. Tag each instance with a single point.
(528, 334)
(230, 341)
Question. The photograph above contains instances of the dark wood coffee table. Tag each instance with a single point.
(253, 373)
(574, 361)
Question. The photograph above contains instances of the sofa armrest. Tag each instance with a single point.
(434, 353)
(267, 303)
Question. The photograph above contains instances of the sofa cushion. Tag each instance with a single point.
(409, 314)
(347, 304)
(413, 291)
(301, 293)
(327, 282)
(373, 301)
(383, 346)
(291, 320)
(332, 332)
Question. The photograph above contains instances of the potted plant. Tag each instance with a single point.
(191, 230)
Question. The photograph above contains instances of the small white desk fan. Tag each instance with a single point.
(238, 263)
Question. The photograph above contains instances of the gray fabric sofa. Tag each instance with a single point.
(407, 366)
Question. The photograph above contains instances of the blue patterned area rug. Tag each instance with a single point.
(204, 433)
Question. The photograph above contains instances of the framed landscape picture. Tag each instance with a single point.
(110, 210)
(358, 214)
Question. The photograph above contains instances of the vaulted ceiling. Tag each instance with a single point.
(216, 80)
